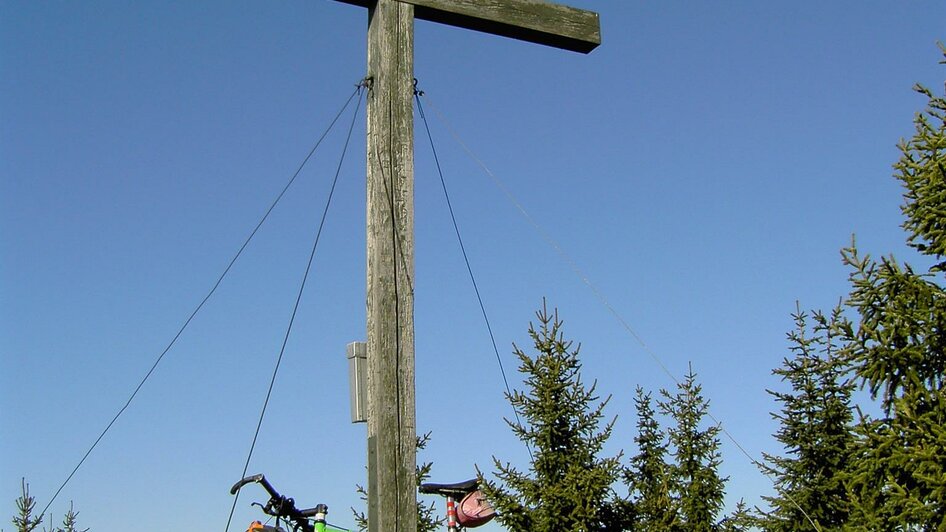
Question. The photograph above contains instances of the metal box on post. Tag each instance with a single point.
(357, 353)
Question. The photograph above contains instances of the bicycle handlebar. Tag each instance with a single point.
(284, 507)
(249, 480)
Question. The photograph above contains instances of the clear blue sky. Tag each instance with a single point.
(703, 167)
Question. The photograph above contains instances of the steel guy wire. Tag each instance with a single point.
(201, 304)
(601, 298)
(295, 307)
(466, 259)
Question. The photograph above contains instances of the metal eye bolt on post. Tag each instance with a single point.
(390, 216)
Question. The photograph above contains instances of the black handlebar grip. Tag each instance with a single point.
(248, 480)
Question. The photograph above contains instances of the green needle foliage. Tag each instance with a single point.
(568, 486)
(695, 484)
(25, 522)
(673, 479)
(427, 517)
(897, 349)
(886, 472)
(816, 431)
(921, 170)
(25, 503)
(648, 478)
(740, 520)
(69, 522)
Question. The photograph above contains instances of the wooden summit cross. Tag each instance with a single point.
(390, 218)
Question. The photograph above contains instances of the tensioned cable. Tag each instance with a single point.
(466, 259)
(549, 240)
(389, 186)
(202, 301)
(295, 307)
(604, 301)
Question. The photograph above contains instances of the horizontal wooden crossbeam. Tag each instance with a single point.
(534, 21)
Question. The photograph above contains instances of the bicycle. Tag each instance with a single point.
(284, 510)
(473, 509)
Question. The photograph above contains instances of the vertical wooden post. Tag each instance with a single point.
(390, 216)
(392, 433)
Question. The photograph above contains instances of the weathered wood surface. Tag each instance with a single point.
(534, 21)
(390, 216)
(390, 304)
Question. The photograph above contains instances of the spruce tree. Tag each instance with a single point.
(568, 486)
(695, 483)
(815, 429)
(648, 477)
(24, 521)
(897, 351)
(741, 520)
(897, 348)
(25, 503)
(70, 521)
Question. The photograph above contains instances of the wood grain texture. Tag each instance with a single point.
(390, 217)
(390, 269)
(534, 21)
